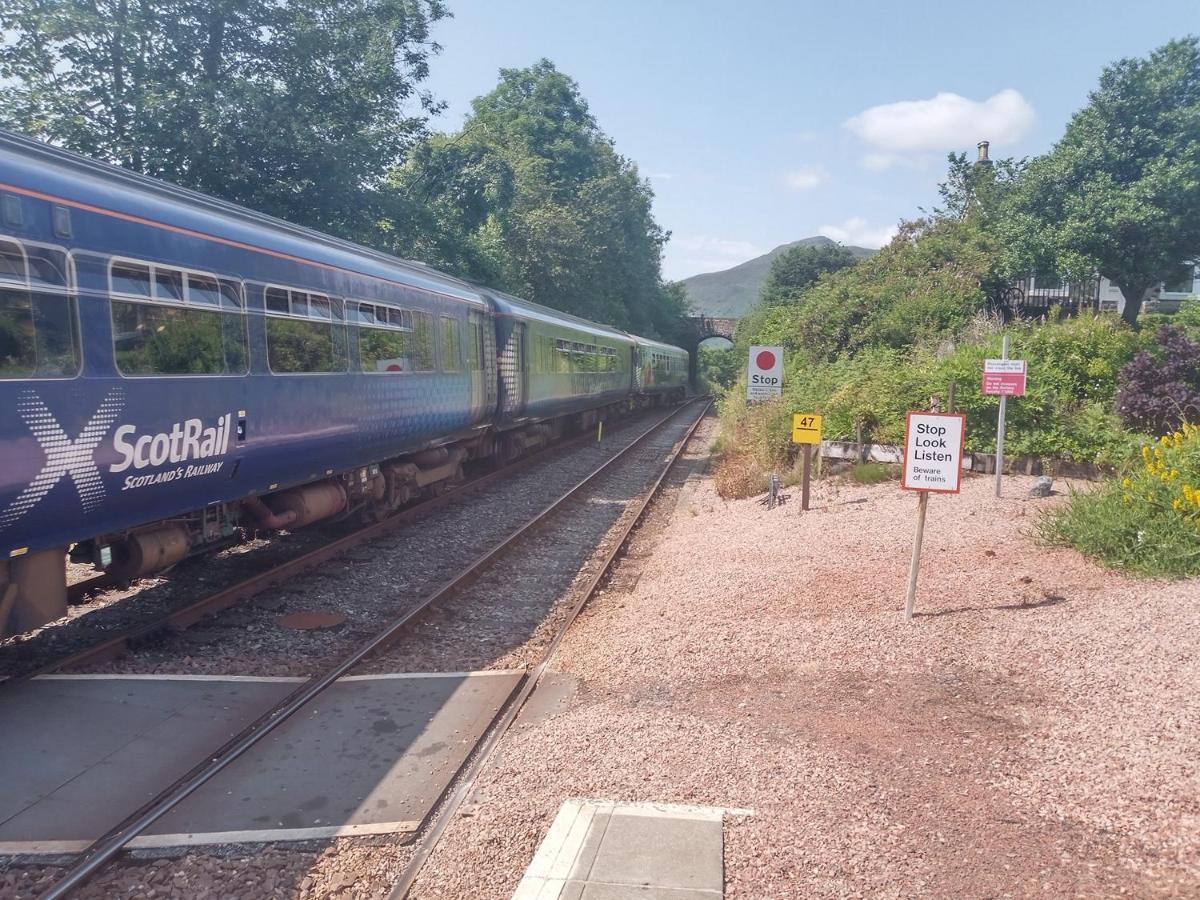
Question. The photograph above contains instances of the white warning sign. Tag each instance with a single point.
(764, 381)
(933, 452)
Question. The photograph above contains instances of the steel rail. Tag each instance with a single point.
(487, 746)
(106, 847)
(188, 615)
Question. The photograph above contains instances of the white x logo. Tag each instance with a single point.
(63, 455)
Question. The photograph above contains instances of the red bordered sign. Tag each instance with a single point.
(933, 452)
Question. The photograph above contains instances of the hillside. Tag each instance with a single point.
(733, 291)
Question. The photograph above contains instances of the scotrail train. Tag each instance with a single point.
(174, 368)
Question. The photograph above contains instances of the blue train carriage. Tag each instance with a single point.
(173, 367)
(661, 370)
(557, 372)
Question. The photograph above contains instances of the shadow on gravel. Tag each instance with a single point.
(1048, 600)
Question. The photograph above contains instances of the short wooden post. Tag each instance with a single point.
(913, 567)
(806, 476)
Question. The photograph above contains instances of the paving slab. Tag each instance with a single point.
(602, 850)
(370, 756)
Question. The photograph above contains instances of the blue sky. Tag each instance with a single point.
(763, 122)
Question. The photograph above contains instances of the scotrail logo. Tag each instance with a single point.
(187, 442)
(63, 455)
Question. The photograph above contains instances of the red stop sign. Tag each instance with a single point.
(765, 360)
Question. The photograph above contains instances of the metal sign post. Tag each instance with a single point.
(1007, 378)
(806, 431)
(933, 457)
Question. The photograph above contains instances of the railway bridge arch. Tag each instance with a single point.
(701, 329)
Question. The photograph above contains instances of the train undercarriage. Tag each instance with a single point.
(33, 587)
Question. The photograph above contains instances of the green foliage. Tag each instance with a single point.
(1148, 520)
(296, 109)
(718, 367)
(976, 189)
(795, 270)
(1067, 413)
(1188, 317)
(1119, 193)
(531, 197)
(926, 284)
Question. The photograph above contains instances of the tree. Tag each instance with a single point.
(1119, 193)
(797, 268)
(531, 197)
(976, 188)
(296, 109)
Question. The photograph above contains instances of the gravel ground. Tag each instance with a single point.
(504, 620)
(1033, 732)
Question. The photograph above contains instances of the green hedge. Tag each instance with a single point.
(1066, 414)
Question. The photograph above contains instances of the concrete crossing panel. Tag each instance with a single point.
(369, 756)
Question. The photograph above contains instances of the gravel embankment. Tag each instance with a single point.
(1035, 731)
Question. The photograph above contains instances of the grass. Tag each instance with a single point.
(872, 473)
(1135, 539)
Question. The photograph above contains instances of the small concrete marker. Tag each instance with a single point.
(603, 850)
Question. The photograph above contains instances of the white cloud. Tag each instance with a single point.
(856, 232)
(806, 179)
(945, 122)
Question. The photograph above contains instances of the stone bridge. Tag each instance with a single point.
(703, 328)
(706, 327)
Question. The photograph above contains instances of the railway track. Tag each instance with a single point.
(110, 845)
(186, 615)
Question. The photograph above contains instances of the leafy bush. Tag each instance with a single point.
(1148, 522)
(1160, 388)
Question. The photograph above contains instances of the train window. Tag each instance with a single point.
(451, 348)
(298, 345)
(475, 358)
(38, 331)
(277, 301)
(319, 307)
(204, 290)
(131, 279)
(168, 285)
(231, 296)
(307, 341)
(205, 337)
(383, 339)
(152, 339)
(422, 346)
(12, 263)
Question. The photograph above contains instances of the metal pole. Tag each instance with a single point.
(911, 601)
(806, 477)
(1000, 427)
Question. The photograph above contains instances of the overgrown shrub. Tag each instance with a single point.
(1160, 388)
(1147, 521)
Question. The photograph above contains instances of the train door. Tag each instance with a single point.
(484, 388)
(638, 379)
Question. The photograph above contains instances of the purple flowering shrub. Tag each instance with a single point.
(1159, 389)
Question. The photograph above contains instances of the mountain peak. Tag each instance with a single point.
(732, 292)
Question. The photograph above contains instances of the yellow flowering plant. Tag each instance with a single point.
(1146, 522)
(1168, 476)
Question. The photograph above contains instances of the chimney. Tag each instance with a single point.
(983, 153)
